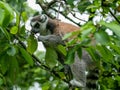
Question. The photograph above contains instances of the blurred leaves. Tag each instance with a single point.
(32, 44)
(14, 30)
(17, 45)
(102, 37)
(112, 26)
(51, 57)
(6, 14)
(26, 56)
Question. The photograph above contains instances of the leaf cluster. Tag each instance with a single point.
(101, 39)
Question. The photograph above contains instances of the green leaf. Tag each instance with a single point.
(87, 29)
(83, 5)
(85, 33)
(2, 16)
(13, 68)
(24, 15)
(105, 53)
(17, 19)
(70, 56)
(115, 47)
(46, 85)
(1, 81)
(4, 65)
(92, 53)
(88, 25)
(8, 8)
(79, 52)
(112, 26)
(14, 30)
(70, 2)
(11, 51)
(6, 14)
(5, 33)
(32, 44)
(62, 49)
(26, 56)
(102, 37)
(51, 57)
(71, 34)
(67, 36)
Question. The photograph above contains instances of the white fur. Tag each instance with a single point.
(43, 25)
(76, 83)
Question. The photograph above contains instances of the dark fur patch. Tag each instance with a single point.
(51, 26)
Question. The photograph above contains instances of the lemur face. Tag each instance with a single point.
(39, 23)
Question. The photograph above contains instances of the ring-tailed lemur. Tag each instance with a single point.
(51, 31)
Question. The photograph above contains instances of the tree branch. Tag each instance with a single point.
(114, 16)
(52, 2)
(78, 18)
(45, 9)
(66, 17)
(42, 66)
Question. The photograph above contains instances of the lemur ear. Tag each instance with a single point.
(43, 18)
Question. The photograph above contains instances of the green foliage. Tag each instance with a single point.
(112, 26)
(18, 46)
(6, 14)
(26, 56)
(32, 44)
(14, 30)
(62, 49)
(102, 37)
(51, 57)
(70, 56)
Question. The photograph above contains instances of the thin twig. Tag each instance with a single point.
(45, 10)
(114, 16)
(51, 3)
(66, 17)
(78, 18)
(19, 17)
(39, 63)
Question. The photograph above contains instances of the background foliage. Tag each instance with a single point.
(99, 36)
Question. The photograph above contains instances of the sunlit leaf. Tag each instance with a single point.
(26, 56)
(2, 16)
(67, 36)
(87, 29)
(24, 15)
(62, 49)
(46, 86)
(32, 44)
(86, 32)
(17, 19)
(6, 14)
(70, 35)
(14, 30)
(51, 57)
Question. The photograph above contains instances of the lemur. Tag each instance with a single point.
(51, 31)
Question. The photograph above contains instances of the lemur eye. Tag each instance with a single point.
(37, 25)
